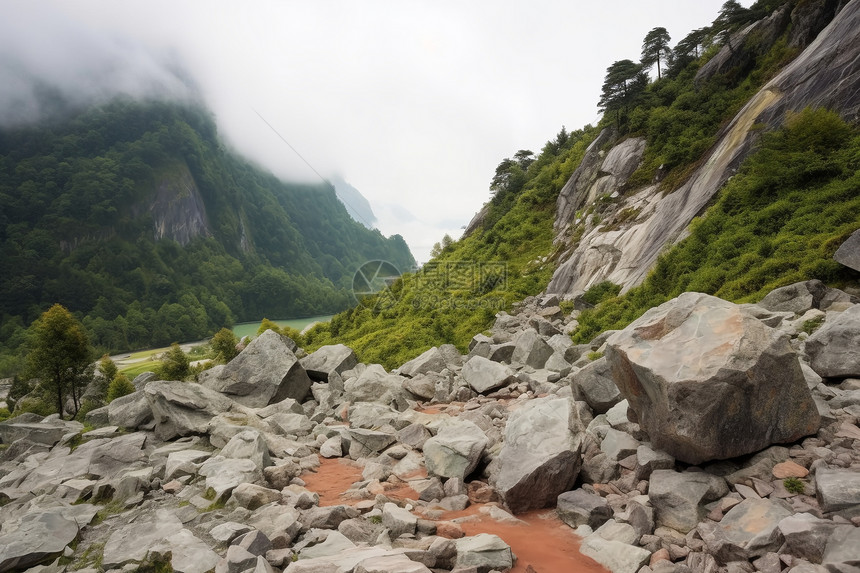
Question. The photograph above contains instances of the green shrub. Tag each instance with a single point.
(811, 325)
(175, 364)
(224, 345)
(119, 386)
(793, 485)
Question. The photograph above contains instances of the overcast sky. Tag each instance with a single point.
(413, 102)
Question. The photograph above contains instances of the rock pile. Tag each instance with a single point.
(706, 436)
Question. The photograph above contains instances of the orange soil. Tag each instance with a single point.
(543, 542)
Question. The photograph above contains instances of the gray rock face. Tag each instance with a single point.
(834, 349)
(48, 431)
(843, 550)
(39, 535)
(735, 389)
(327, 359)
(797, 297)
(593, 384)
(132, 542)
(455, 451)
(248, 445)
(806, 536)
(183, 408)
(541, 455)
(130, 411)
(265, 372)
(430, 361)
(531, 349)
(484, 375)
(484, 552)
(848, 252)
(750, 529)
(679, 498)
(617, 556)
(398, 520)
(579, 507)
(374, 385)
(837, 489)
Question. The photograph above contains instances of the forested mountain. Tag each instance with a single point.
(732, 171)
(135, 217)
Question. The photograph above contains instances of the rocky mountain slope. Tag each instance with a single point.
(741, 453)
(825, 74)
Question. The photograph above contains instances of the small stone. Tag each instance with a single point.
(789, 469)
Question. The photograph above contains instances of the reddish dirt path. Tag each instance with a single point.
(543, 542)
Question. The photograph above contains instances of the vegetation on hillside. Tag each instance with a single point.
(76, 229)
(778, 221)
(460, 291)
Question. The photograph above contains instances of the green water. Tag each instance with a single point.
(250, 328)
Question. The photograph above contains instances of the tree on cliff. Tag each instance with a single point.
(60, 355)
(655, 48)
(624, 81)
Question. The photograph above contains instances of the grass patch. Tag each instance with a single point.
(811, 325)
(793, 485)
(135, 369)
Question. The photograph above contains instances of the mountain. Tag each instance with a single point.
(136, 217)
(732, 174)
(356, 204)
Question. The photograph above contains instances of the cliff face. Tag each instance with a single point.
(178, 212)
(624, 245)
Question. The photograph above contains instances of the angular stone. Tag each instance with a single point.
(48, 431)
(455, 450)
(223, 475)
(616, 556)
(398, 520)
(184, 463)
(679, 497)
(531, 350)
(227, 532)
(327, 359)
(837, 489)
(332, 447)
(736, 388)
(806, 536)
(430, 361)
(750, 529)
(265, 372)
(375, 385)
(290, 424)
(796, 298)
(540, 457)
(329, 517)
(834, 349)
(483, 375)
(843, 550)
(188, 554)
(183, 408)
(130, 411)
(618, 445)
(363, 443)
(390, 564)
(131, 543)
(848, 252)
(40, 535)
(248, 445)
(485, 552)
(578, 507)
(252, 496)
(593, 384)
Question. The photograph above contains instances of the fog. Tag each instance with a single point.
(413, 102)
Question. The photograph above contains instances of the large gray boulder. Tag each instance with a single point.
(848, 252)
(679, 498)
(837, 489)
(541, 455)
(130, 411)
(834, 349)
(748, 530)
(709, 381)
(594, 385)
(484, 552)
(578, 507)
(327, 359)
(183, 408)
(531, 349)
(797, 297)
(375, 385)
(41, 535)
(132, 542)
(48, 431)
(484, 375)
(429, 361)
(265, 372)
(454, 452)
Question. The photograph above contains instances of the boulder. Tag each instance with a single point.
(40, 535)
(130, 411)
(578, 507)
(374, 385)
(183, 408)
(843, 550)
(678, 498)
(484, 552)
(48, 431)
(430, 361)
(749, 529)
(132, 542)
(454, 452)
(398, 563)
(248, 445)
(398, 520)
(806, 536)
(531, 349)
(327, 359)
(617, 556)
(594, 385)
(540, 457)
(223, 475)
(188, 554)
(364, 443)
(266, 371)
(797, 297)
(252, 496)
(709, 381)
(184, 463)
(848, 252)
(837, 489)
(483, 375)
(834, 349)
